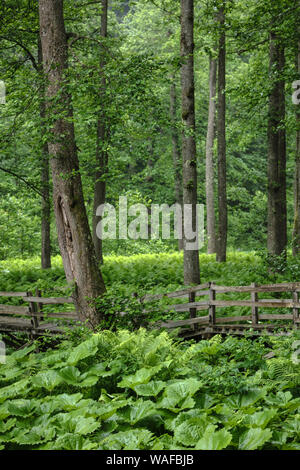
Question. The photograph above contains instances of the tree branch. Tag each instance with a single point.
(31, 186)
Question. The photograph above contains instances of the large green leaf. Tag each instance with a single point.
(142, 376)
(214, 440)
(66, 402)
(151, 389)
(22, 407)
(72, 441)
(190, 431)
(86, 426)
(85, 349)
(8, 425)
(128, 440)
(48, 380)
(178, 395)
(260, 419)
(138, 411)
(14, 390)
(70, 374)
(254, 438)
(246, 399)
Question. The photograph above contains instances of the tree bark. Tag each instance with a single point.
(221, 133)
(296, 227)
(189, 168)
(177, 161)
(74, 236)
(277, 232)
(101, 152)
(45, 190)
(209, 167)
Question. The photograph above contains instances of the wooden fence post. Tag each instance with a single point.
(295, 309)
(254, 309)
(33, 308)
(193, 311)
(40, 306)
(212, 308)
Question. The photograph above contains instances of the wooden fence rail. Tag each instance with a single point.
(237, 324)
(31, 318)
(34, 320)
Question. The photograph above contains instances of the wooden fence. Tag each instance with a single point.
(33, 320)
(212, 323)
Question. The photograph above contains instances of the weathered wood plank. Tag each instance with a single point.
(14, 309)
(179, 293)
(231, 319)
(58, 315)
(49, 300)
(284, 303)
(186, 307)
(275, 317)
(260, 327)
(284, 287)
(187, 321)
(12, 294)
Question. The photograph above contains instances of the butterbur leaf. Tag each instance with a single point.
(190, 431)
(138, 411)
(89, 381)
(214, 440)
(86, 426)
(67, 402)
(177, 396)
(13, 390)
(22, 407)
(70, 374)
(246, 399)
(151, 389)
(8, 425)
(127, 440)
(254, 438)
(72, 442)
(85, 349)
(259, 419)
(26, 437)
(176, 406)
(48, 380)
(142, 376)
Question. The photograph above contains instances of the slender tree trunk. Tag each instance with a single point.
(189, 168)
(277, 233)
(101, 152)
(296, 228)
(209, 167)
(45, 203)
(74, 235)
(221, 132)
(177, 161)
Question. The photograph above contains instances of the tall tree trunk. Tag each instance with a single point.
(296, 228)
(221, 133)
(74, 236)
(277, 234)
(45, 203)
(101, 143)
(177, 162)
(209, 167)
(189, 159)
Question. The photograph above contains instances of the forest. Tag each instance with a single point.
(150, 225)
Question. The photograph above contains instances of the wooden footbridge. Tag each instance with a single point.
(204, 313)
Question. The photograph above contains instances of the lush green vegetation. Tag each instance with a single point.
(121, 389)
(143, 390)
(120, 121)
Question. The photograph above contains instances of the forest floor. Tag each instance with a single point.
(122, 389)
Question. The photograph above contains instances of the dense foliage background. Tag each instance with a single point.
(142, 56)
